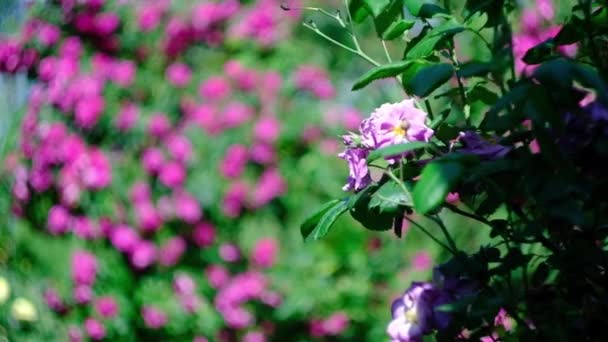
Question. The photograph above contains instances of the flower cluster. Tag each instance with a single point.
(390, 124)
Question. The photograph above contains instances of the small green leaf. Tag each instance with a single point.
(472, 69)
(540, 53)
(311, 222)
(358, 10)
(377, 6)
(396, 29)
(431, 10)
(319, 224)
(391, 14)
(477, 21)
(436, 180)
(383, 71)
(395, 150)
(480, 93)
(390, 198)
(429, 78)
(413, 6)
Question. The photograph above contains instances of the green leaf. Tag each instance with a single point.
(480, 93)
(429, 78)
(318, 225)
(436, 180)
(589, 77)
(477, 21)
(396, 29)
(431, 10)
(383, 71)
(391, 14)
(390, 198)
(425, 45)
(377, 6)
(472, 69)
(358, 10)
(413, 6)
(540, 53)
(395, 150)
(493, 9)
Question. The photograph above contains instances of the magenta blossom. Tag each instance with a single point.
(171, 252)
(358, 174)
(230, 252)
(153, 318)
(233, 164)
(106, 307)
(204, 234)
(179, 74)
(84, 268)
(393, 124)
(144, 254)
(94, 329)
(127, 117)
(172, 174)
(58, 220)
(265, 252)
(187, 207)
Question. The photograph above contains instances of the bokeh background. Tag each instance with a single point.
(158, 158)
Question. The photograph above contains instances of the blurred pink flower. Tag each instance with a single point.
(179, 147)
(183, 284)
(267, 129)
(127, 117)
(254, 336)
(58, 220)
(143, 255)
(230, 252)
(140, 192)
(152, 160)
(204, 234)
(171, 252)
(159, 125)
(217, 276)
(85, 228)
(124, 238)
(106, 307)
(123, 73)
(153, 318)
(84, 268)
(94, 329)
(270, 185)
(315, 80)
(265, 252)
(234, 162)
(262, 153)
(215, 88)
(88, 110)
(172, 174)
(236, 114)
(422, 261)
(148, 218)
(179, 74)
(82, 294)
(48, 34)
(335, 324)
(106, 23)
(234, 199)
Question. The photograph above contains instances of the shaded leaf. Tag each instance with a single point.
(429, 78)
(390, 198)
(319, 224)
(396, 29)
(377, 6)
(436, 180)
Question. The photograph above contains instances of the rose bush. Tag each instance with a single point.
(512, 139)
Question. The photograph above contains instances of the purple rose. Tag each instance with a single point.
(358, 174)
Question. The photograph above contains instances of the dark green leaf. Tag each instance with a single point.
(313, 220)
(370, 218)
(471, 69)
(396, 29)
(480, 93)
(383, 71)
(427, 43)
(493, 9)
(358, 10)
(413, 6)
(430, 10)
(477, 21)
(390, 198)
(590, 77)
(395, 150)
(429, 78)
(377, 6)
(557, 72)
(392, 13)
(436, 180)
(540, 53)
(327, 220)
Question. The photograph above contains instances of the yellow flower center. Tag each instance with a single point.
(411, 316)
(401, 129)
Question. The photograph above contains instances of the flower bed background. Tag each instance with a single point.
(165, 158)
